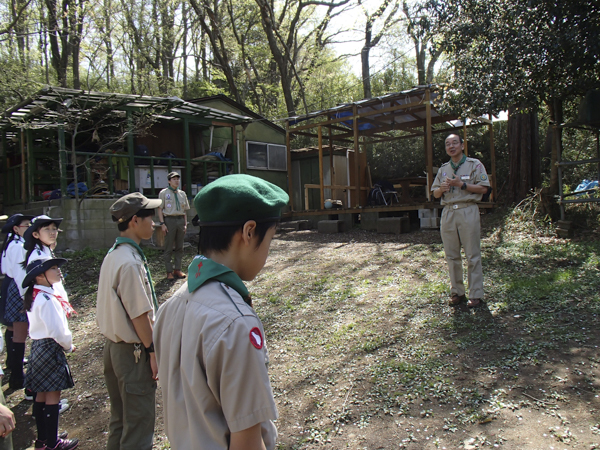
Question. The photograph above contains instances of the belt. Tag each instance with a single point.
(173, 216)
(459, 205)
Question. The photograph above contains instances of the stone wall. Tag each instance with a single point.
(91, 227)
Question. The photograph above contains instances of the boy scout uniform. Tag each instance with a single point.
(124, 293)
(212, 356)
(210, 344)
(460, 224)
(174, 213)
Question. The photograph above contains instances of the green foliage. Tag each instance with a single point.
(509, 52)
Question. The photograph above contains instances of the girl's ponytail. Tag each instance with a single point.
(28, 298)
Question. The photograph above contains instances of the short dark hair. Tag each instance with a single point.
(462, 141)
(122, 226)
(218, 239)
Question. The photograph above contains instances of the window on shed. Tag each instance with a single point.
(261, 155)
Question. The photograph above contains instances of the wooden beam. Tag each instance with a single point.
(493, 158)
(130, 151)
(188, 154)
(356, 151)
(288, 143)
(321, 181)
(331, 174)
(428, 143)
(466, 142)
(23, 173)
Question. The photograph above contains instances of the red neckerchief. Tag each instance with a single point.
(66, 306)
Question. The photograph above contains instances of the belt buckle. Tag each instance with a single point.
(455, 206)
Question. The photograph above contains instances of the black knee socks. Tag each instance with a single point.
(8, 341)
(16, 374)
(51, 425)
(40, 420)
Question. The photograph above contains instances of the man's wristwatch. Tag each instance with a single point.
(150, 349)
(463, 187)
(161, 223)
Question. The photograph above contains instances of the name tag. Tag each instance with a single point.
(464, 177)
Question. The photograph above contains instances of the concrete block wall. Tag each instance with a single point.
(91, 227)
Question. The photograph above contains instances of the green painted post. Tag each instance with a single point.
(188, 164)
(7, 198)
(152, 175)
(31, 164)
(131, 152)
(62, 157)
(111, 181)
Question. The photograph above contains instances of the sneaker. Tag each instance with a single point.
(63, 406)
(29, 395)
(65, 444)
(41, 445)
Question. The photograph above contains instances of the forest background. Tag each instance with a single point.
(533, 58)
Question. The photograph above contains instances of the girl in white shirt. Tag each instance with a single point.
(48, 372)
(11, 307)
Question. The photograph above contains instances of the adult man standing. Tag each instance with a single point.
(125, 310)
(461, 182)
(173, 219)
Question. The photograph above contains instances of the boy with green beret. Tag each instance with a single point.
(210, 344)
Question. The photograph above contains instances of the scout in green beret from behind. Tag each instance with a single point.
(210, 343)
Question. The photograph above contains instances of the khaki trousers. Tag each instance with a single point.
(462, 227)
(132, 393)
(174, 241)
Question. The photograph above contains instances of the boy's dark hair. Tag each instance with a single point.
(122, 226)
(218, 239)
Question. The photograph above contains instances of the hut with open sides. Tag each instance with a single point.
(343, 132)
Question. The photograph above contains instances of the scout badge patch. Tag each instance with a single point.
(256, 338)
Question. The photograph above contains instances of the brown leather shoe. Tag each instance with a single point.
(179, 274)
(170, 276)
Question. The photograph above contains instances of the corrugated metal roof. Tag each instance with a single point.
(51, 106)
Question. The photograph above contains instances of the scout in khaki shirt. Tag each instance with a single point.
(125, 314)
(173, 220)
(210, 344)
(461, 183)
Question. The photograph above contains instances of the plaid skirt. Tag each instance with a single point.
(14, 305)
(48, 370)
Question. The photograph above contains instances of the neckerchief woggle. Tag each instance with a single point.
(203, 269)
(124, 240)
(455, 167)
(177, 204)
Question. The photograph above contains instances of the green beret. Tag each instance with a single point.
(234, 199)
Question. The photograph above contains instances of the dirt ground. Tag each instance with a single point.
(366, 354)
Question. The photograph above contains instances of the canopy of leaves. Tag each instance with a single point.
(526, 52)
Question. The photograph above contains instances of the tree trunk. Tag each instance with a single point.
(555, 106)
(524, 154)
(366, 73)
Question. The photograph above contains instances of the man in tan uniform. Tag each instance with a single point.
(125, 314)
(210, 344)
(173, 220)
(461, 182)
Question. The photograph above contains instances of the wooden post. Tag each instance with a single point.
(321, 181)
(331, 172)
(493, 158)
(31, 164)
(152, 187)
(466, 142)
(23, 173)
(288, 143)
(234, 150)
(428, 142)
(7, 198)
(356, 152)
(62, 157)
(186, 149)
(130, 151)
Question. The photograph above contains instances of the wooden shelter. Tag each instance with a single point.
(393, 117)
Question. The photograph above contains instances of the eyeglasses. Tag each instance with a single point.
(24, 226)
(50, 231)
